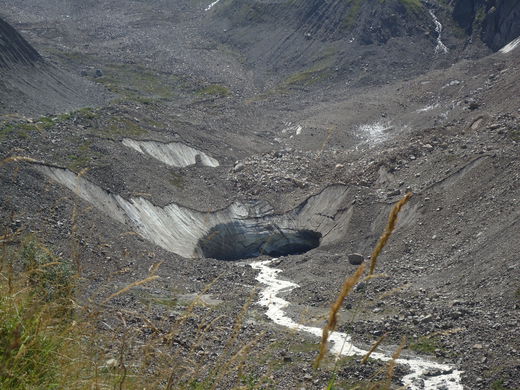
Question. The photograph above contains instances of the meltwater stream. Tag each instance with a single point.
(441, 47)
(426, 375)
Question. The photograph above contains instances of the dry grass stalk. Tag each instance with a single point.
(373, 348)
(11, 159)
(444, 332)
(235, 360)
(392, 363)
(393, 291)
(129, 287)
(392, 220)
(349, 283)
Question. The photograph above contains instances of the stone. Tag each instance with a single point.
(355, 258)
(111, 363)
(238, 167)
(394, 193)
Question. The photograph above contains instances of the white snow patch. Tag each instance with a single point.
(375, 132)
(211, 5)
(428, 108)
(296, 129)
(510, 46)
(441, 47)
(426, 375)
(452, 84)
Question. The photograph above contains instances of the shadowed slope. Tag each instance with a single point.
(31, 86)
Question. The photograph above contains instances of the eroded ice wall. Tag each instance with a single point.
(319, 220)
(174, 153)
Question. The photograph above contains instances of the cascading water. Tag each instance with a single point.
(441, 47)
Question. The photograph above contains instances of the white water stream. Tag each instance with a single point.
(211, 5)
(426, 375)
(441, 47)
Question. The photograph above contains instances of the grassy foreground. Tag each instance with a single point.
(48, 340)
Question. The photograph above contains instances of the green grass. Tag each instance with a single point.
(120, 126)
(412, 6)
(426, 345)
(36, 288)
(83, 157)
(143, 85)
(318, 72)
(499, 385)
(216, 90)
(25, 129)
(353, 13)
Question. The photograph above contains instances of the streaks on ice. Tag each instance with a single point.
(174, 153)
(510, 46)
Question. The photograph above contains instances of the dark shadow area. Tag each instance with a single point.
(235, 241)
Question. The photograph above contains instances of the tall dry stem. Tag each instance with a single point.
(348, 285)
(373, 348)
(392, 363)
(392, 220)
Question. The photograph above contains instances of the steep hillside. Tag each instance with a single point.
(496, 22)
(363, 41)
(14, 49)
(251, 154)
(31, 86)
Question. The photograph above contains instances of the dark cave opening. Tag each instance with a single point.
(238, 240)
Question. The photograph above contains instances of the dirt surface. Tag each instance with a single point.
(284, 126)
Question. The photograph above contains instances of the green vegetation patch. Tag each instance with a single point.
(83, 157)
(353, 13)
(426, 345)
(216, 90)
(412, 6)
(140, 84)
(320, 71)
(120, 126)
(24, 129)
(36, 288)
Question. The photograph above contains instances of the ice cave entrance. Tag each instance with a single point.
(241, 240)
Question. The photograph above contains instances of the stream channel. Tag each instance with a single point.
(425, 374)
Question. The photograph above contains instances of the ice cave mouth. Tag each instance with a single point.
(242, 240)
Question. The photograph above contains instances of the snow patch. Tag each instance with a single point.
(375, 132)
(426, 375)
(291, 128)
(211, 5)
(428, 108)
(510, 46)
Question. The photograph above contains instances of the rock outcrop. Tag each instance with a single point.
(14, 49)
(31, 86)
(496, 21)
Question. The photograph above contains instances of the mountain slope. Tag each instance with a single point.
(14, 49)
(31, 86)
(362, 42)
(496, 22)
